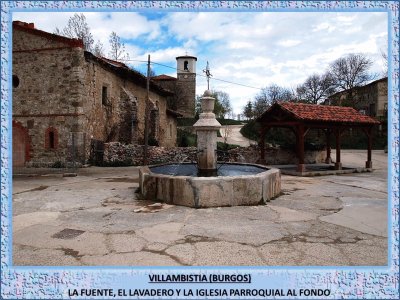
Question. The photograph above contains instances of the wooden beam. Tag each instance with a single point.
(328, 158)
(368, 163)
(300, 148)
(261, 142)
(338, 164)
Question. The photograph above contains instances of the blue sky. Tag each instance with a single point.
(250, 48)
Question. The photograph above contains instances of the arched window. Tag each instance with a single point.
(186, 65)
(15, 81)
(51, 138)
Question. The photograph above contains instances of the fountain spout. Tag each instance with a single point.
(206, 129)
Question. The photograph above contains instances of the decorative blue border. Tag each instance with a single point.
(344, 282)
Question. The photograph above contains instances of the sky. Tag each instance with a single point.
(250, 49)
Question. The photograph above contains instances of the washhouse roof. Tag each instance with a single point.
(313, 113)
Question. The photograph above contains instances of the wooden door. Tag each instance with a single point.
(18, 146)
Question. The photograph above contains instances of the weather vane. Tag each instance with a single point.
(208, 75)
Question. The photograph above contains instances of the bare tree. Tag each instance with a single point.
(118, 51)
(78, 28)
(315, 89)
(227, 132)
(349, 72)
(270, 95)
(98, 49)
(384, 57)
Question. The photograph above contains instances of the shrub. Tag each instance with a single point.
(186, 139)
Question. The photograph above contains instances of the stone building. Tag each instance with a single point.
(65, 100)
(370, 99)
(183, 99)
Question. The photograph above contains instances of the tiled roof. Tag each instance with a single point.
(163, 77)
(113, 62)
(325, 113)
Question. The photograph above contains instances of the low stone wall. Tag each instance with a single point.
(275, 156)
(119, 154)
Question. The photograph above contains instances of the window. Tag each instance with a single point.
(104, 96)
(185, 65)
(15, 81)
(372, 110)
(51, 138)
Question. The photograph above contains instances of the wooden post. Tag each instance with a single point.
(300, 148)
(328, 158)
(338, 164)
(262, 145)
(368, 163)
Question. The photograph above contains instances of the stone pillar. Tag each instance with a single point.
(206, 129)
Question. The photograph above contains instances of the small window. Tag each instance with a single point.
(185, 65)
(15, 81)
(372, 109)
(104, 97)
(51, 140)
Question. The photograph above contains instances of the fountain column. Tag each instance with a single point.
(206, 129)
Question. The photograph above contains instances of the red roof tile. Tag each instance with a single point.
(113, 62)
(324, 113)
(313, 112)
(163, 77)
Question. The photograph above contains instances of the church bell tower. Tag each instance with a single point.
(186, 85)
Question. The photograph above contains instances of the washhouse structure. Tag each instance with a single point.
(300, 118)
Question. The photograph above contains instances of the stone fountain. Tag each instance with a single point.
(206, 130)
(209, 183)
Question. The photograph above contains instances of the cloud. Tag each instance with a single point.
(253, 49)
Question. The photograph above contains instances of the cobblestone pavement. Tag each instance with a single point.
(97, 219)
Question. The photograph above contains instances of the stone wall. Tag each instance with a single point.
(275, 156)
(119, 154)
(186, 91)
(107, 122)
(58, 101)
(46, 95)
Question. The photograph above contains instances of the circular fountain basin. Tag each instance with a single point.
(236, 184)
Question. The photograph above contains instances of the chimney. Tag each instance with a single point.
(23, 24)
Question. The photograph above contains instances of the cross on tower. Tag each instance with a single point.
(208, 75)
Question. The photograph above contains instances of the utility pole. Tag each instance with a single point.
(146, 114)
(208, 75)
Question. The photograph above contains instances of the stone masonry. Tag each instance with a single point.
(116, 153)
(64, 98)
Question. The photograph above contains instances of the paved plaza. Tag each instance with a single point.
(97, 218)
